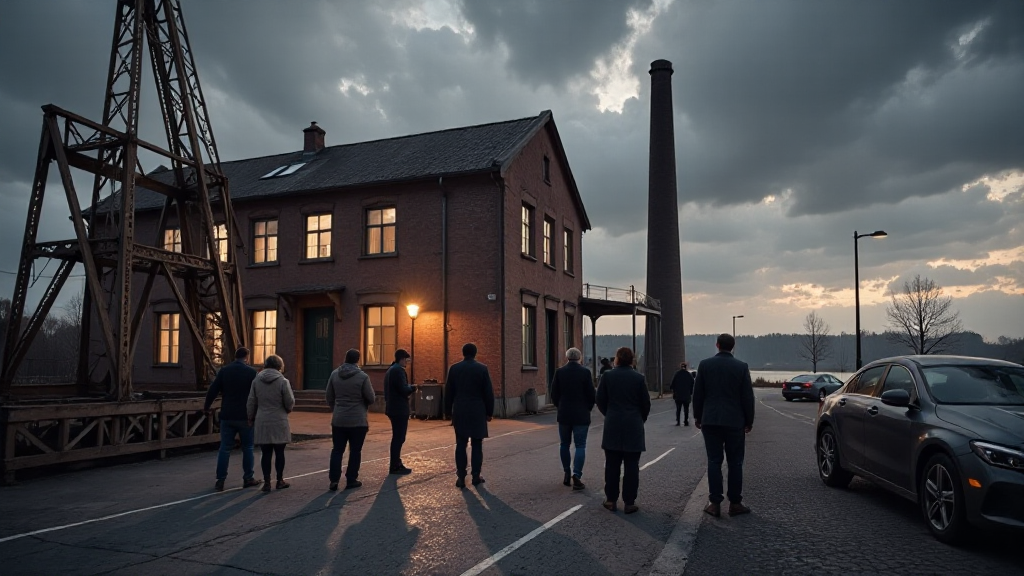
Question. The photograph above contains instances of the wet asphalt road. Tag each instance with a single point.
(161, 517)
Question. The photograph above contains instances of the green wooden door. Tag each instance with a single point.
(318, 343)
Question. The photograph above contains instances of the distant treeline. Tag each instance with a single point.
(783, 351)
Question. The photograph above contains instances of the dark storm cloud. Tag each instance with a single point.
(550, 42)
(820, 98)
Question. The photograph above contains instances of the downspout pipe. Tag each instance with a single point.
(499, 183)
(444, 274)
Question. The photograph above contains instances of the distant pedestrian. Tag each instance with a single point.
(270, 401)
(572, 392)
(234, 381)
(350, 393)
(682, 390)
(469, 402)
(606, 365)
(623, 399)
(396, 405)
(723, 410)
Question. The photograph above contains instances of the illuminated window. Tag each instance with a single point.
(220, 239)
(549, 242)
(167, 338)
(569, 325)
(381, 335)
(214, 334)
(172, 239)
(318, 236)
(264, 335)
(529, 335)
(528, 230)
(264, 241)
(567, 250)
(380, 230)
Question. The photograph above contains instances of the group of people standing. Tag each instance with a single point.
(255, 408)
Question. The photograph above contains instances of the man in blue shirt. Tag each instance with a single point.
(233, 381)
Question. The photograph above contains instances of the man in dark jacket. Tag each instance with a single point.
(396, 405)
(469, 402)
(234, 381)
(572, 392)
(723, 409)
(623, 399)
(682, 390)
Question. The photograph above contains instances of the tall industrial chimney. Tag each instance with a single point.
(664, 274)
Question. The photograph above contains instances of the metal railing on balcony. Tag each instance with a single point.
(627, 295)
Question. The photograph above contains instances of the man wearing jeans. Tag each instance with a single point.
(572, 392)
(723, 410)
(233, 381)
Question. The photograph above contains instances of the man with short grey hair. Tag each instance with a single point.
(572, 392)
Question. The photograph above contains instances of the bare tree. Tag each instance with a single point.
(815, 344)
(922, 319)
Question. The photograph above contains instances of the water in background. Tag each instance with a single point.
(783, 376)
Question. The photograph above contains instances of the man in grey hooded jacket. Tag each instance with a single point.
(350, 393)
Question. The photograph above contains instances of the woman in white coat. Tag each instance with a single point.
(270, 401)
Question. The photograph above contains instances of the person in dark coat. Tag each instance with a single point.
(234, 381)
(623, 399)
(469, 402)
(350, 394)
(396, 405)
(606, 365)
(723, 410)
(682, 390)
(572, 392)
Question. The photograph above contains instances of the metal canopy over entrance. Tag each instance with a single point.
(600, 301)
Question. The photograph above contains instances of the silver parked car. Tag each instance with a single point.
(811, 386)
(944, 431)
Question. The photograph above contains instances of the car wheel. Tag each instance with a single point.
(942, 500)
(821, 395)
(788, 399)
(831, 471)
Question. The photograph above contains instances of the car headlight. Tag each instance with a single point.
(1000, 456)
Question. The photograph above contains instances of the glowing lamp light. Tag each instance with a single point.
(414, 310)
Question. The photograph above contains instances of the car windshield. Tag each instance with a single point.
(976, 384)
(804, 378)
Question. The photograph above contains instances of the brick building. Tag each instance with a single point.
(480, 227)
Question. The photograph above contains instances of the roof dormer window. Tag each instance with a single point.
(285, 170)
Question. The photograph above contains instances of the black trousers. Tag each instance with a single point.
(460, 455)
(341, 436)
(270, 451)
(614, 462)
(399, 428)
(684, 406)
(724, 443)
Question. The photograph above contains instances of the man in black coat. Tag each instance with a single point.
(723, 410)
(234, 381)
(682, 390)
(623, 399)
(469, 402)
(396, 405)
(572, 392)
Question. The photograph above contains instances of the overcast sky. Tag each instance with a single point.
(797, 122)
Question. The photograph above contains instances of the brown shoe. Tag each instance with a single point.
(609, 505)
(250, 482)
(281, 485)
(713, 509)
(630, 508)
(735, 509)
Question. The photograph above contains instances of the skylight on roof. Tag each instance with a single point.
(285, 170)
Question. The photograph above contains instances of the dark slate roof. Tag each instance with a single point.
(467, 150)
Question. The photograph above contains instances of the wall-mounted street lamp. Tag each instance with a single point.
(414, 311)
(734, 324)
(856, 282)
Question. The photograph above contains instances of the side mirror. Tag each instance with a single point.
(899, 398)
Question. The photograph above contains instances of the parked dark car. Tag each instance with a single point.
(944, 431)
(811, 386)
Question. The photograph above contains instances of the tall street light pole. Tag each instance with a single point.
(414, 311)
(734, 324)
(856, 283)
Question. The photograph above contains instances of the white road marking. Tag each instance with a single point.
(656, 459)
(519, 543)
(676, 553)
(200, 497)
(791, 416)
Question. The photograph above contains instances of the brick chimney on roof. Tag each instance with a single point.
(313, 140)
